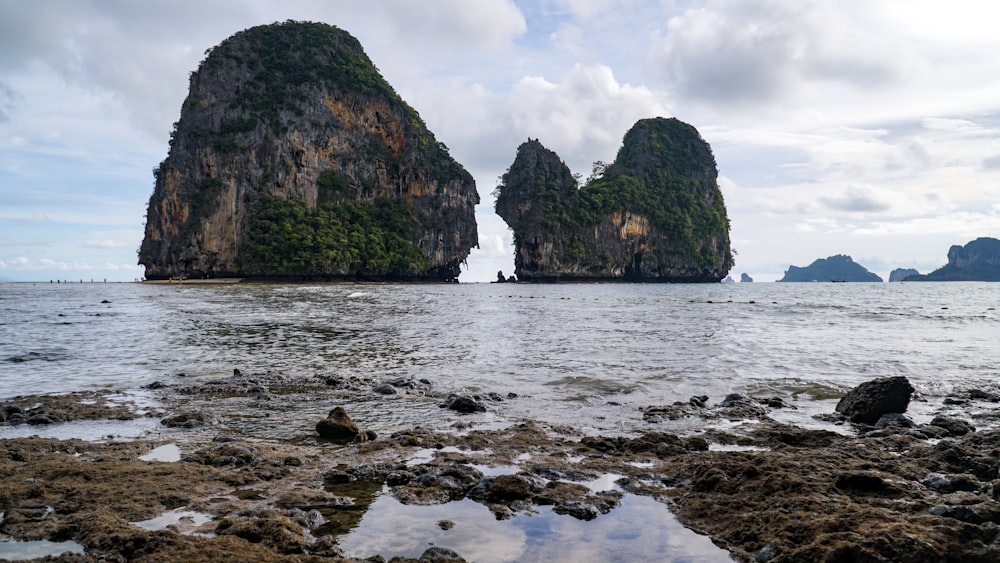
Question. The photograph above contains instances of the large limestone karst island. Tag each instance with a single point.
(978, 260)
(654, 215)
(294, 159)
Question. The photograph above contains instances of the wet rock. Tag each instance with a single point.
(677, 411)
(156, 385)
(338, 427)
(314, 519)
(268, 528)
(445, 524)
(506, 488)
(16, 418)
(765, 554)
(463, 404)
(411, 384)
(577, 509)
(981, 395)
(698, 401)
(384, 389)
(225, 455)
(954, 426)
(894, 420)
(951, 483)
(802, 437)
(866, 482)
(741, 406)
(963, 513)
(187, 420)
(40, 418)
(436, 484)
(867, 402)
(439, 554)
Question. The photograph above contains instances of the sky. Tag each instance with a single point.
(862, 127)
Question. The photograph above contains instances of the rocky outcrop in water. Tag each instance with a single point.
(868, 402)
(978, 260)
(900, 274)
(745, 278)
(293, 158)
(654, 215)
(839, 268)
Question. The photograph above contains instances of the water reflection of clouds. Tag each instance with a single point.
(641, 529)
(391, 528)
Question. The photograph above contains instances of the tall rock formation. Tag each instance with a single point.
(294, 159)
(978, 260)
(654, 215)
(839, 268)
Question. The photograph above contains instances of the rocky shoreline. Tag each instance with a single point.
(255, 481)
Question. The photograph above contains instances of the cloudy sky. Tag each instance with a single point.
(860, 127)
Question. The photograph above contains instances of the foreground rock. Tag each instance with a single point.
(338, 427)
(869, 401)
(762, 490)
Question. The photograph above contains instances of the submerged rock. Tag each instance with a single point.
(463, 403)
(867, 402)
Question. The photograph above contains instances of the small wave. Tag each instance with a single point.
(32, 357)
(358, 294)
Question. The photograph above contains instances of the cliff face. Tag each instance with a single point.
(294, 158)
(838, 268)
(656, 214)
(978, 260)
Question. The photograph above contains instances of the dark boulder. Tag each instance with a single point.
(40, 418)
(954, 426)
(867, 402)
(463, 404)
(338, 427)
(187, 420)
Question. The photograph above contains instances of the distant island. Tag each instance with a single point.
(978, 260)
(839, 268)
(745, 278)
(900, 274)
(293, 159)
(655, 214)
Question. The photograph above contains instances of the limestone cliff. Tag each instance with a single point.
(293, 158)
(978, 260)
(839, 268)
(654, 215)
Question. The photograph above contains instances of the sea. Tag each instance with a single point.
(591, 356)
(586, 356)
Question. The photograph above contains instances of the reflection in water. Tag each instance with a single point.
(21, 550)
(641, 529)
(343, 519)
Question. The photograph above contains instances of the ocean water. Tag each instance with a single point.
(589, 356)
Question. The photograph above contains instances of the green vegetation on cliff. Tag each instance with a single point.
(664, 173)
(336, 239)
